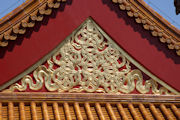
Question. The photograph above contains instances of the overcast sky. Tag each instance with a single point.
(164, 7)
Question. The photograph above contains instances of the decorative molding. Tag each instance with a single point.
(89, 61)
(152, 21)
(25, 16)
(82, 97)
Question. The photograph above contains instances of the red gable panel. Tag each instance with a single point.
(139, 43)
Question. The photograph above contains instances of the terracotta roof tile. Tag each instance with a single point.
(24, 17)
(152, 21)
(26, 14)
(35, 106)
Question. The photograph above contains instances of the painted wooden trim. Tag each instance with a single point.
(83, 97)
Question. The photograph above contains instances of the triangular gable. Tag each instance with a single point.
(89, 61)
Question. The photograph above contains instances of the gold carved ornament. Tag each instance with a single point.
(87, 62)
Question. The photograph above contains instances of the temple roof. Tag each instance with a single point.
(88, 107)
(141, 15)
(152, 21)
(23, 17)
(59, 85)
(26, 14)
(166, 9)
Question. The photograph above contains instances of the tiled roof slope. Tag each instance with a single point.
(152, 21)
(24, 17)
(84, 107)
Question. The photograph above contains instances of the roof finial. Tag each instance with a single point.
(177, 5)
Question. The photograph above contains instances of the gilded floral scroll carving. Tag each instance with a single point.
(87, 62)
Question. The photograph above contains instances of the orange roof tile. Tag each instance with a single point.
(88, 106)
(24, 17)
(152, 21)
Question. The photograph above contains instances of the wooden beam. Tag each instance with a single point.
(22, 111)
(45, 111)
(133, 111)
(88, 110)
(11, 110)
(98, 97)
(67, 111)
(110, 111)
(33, 110)
(144, 111)
(122, 112)
(56, 111)
(77, 111)
(155, 112)
(99, 111)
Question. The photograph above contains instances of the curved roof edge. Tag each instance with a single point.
(152, 21)
(24, 17)
(26, 14)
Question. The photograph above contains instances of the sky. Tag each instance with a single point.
(7, 6)
(164, 7)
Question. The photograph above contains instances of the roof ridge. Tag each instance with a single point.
(156, 25)
(24, 17)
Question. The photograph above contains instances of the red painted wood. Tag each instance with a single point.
(25, 51)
